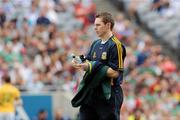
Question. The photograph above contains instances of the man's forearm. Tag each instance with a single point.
(112, 73)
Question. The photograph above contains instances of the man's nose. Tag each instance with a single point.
(95, 28)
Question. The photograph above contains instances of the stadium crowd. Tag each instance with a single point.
(38, 37)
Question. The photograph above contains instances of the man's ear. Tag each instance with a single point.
(108, 24)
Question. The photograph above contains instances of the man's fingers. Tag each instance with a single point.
(74, 61)
(75, 64)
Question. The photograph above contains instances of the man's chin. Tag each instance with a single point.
(98, 35)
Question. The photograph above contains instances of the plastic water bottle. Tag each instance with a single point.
(77, 59)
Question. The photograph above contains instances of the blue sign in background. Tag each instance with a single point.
(34, 103)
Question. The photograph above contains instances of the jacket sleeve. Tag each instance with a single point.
(115, 58)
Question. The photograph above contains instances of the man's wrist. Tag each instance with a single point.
(85, 66)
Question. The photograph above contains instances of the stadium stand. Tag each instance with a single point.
(160, 17)
(37, 38)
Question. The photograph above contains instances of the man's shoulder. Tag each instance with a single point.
(9, 87)
(12, 87)
(115, 41)
(96, 42)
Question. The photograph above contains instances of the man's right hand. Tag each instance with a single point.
(75, 64)
(83, 66)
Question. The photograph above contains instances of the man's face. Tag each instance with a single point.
(100, 27)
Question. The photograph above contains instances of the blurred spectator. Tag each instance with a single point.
(9, 98)
(119, 24)
(42, 19)
(2, 17)
(42, 115)
(32, 14)
(132, 6)
(85, 12)
(59, 116)
(160, 5)
(166, 8)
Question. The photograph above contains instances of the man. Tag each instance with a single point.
(42, 115)
(8, 96)
(107, 50)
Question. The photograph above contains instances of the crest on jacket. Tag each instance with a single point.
(94, 55)
(104, 56)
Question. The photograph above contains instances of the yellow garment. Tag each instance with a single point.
(177, 96)
(131, 117)
(8, 95)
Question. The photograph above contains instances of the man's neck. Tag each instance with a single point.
(106, 36)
